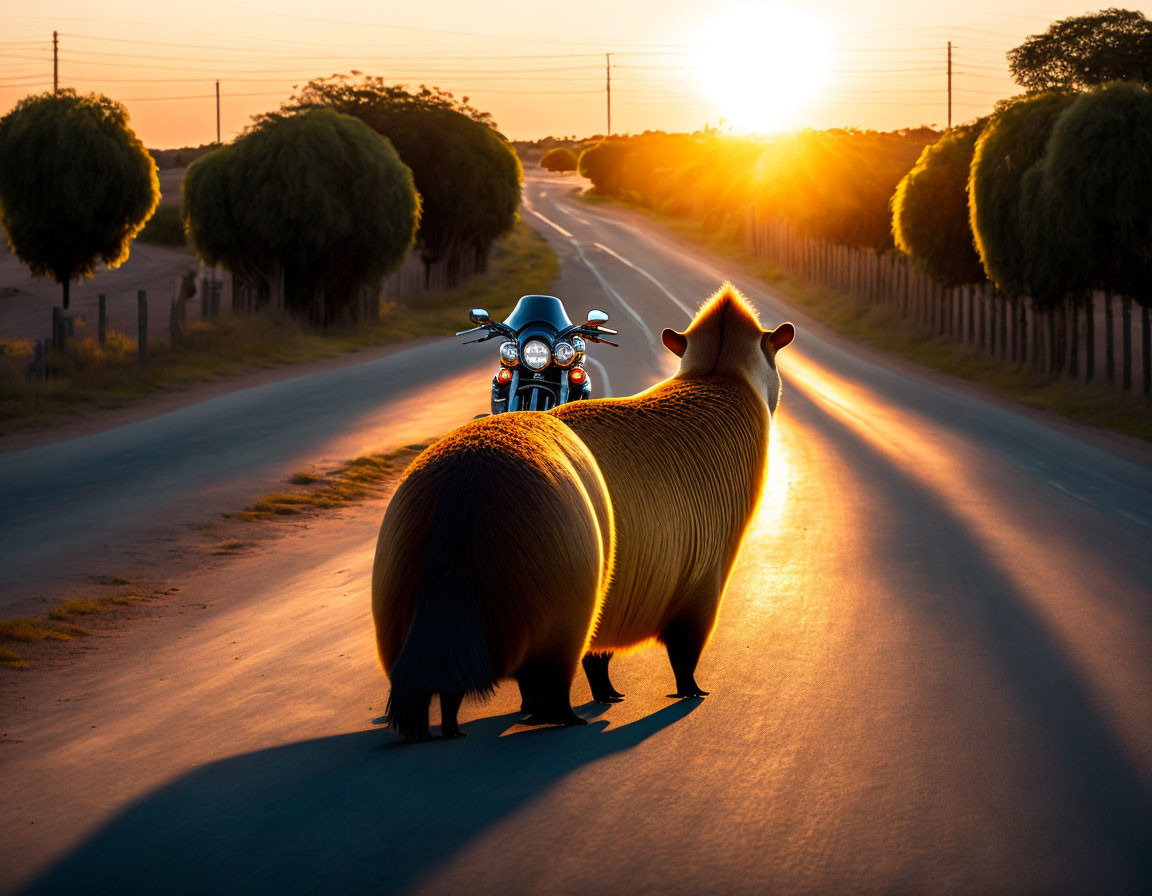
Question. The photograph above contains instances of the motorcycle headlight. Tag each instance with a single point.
(536, 354)
(509, 354)
(563, 353)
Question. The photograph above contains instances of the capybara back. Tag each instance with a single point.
(492, 561)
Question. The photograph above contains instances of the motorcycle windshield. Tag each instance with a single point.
(538, 310)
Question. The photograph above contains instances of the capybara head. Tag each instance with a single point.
(725, 338)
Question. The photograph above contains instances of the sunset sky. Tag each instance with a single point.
(538, 67)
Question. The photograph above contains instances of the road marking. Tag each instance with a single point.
(1134, 518)
(664, 289)
(607, 287)
(552, 224)
(604, 284)
(603, 373)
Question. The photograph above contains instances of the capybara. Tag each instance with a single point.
(684, 463)
(492, 562)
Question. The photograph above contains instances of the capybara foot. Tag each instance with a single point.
(596, 668)
(451, 731)
(688, 688)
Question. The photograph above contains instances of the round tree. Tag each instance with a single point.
(305, 209)
(467, 174)
(1085, 209)
(1014, 140)
(76, 184)
(603, 164)
(560, 159)
(930, 209)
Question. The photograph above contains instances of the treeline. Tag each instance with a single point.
(833, 185)
(309, 208)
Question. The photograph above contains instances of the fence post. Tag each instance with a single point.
(1126, 347)
(1109, 341)
(141, 325)
(1145, 354)
(39, 367)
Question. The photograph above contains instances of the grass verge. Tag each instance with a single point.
(57, 624)
(1095, 405)
(87, 377)
(353, 480)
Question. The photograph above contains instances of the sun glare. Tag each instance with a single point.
(760, 63)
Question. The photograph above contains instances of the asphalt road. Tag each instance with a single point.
(931, 673)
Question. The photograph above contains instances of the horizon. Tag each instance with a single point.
(678, 67)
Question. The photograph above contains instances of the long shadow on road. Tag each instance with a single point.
(354, 813)
(965, 592)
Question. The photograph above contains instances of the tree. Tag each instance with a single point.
(466, 173)
(76, 184)
(559, 159)
(304, 209)
(1086, 209)
(930, 209)
(603, 164)
(1013, 141)
(1083, 51)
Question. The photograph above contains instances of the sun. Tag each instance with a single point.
(760, 63)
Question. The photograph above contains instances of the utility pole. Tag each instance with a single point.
(608, 74)
(217, 111)
(949, 85)
(55, 65)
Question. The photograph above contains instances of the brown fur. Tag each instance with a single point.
(492, 562)
(684, 463)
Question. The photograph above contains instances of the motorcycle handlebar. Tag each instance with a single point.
(494, 329)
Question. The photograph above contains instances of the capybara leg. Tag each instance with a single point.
(545, 684)
(596, 668)
(449, 706)
(685, 639)
(527, 698)
(408, 714)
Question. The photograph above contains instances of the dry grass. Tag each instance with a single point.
(110, 580)
(353, 480)
(87, 377)
(1097, 405)
(76, 607)
(29, 630)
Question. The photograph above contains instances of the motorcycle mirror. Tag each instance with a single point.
(596, 317)
(478, 316)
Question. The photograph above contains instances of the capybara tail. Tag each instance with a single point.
(444, 652)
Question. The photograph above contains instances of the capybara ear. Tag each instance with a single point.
(774, 340)
(677, 343)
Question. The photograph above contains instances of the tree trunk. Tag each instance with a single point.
(1022, 326)
(1109, 341)
(1126, 318)
(1146, 350)
(1074, 351)
(67, 286)
(1089, 337)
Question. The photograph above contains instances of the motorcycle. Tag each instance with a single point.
(542, 358)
